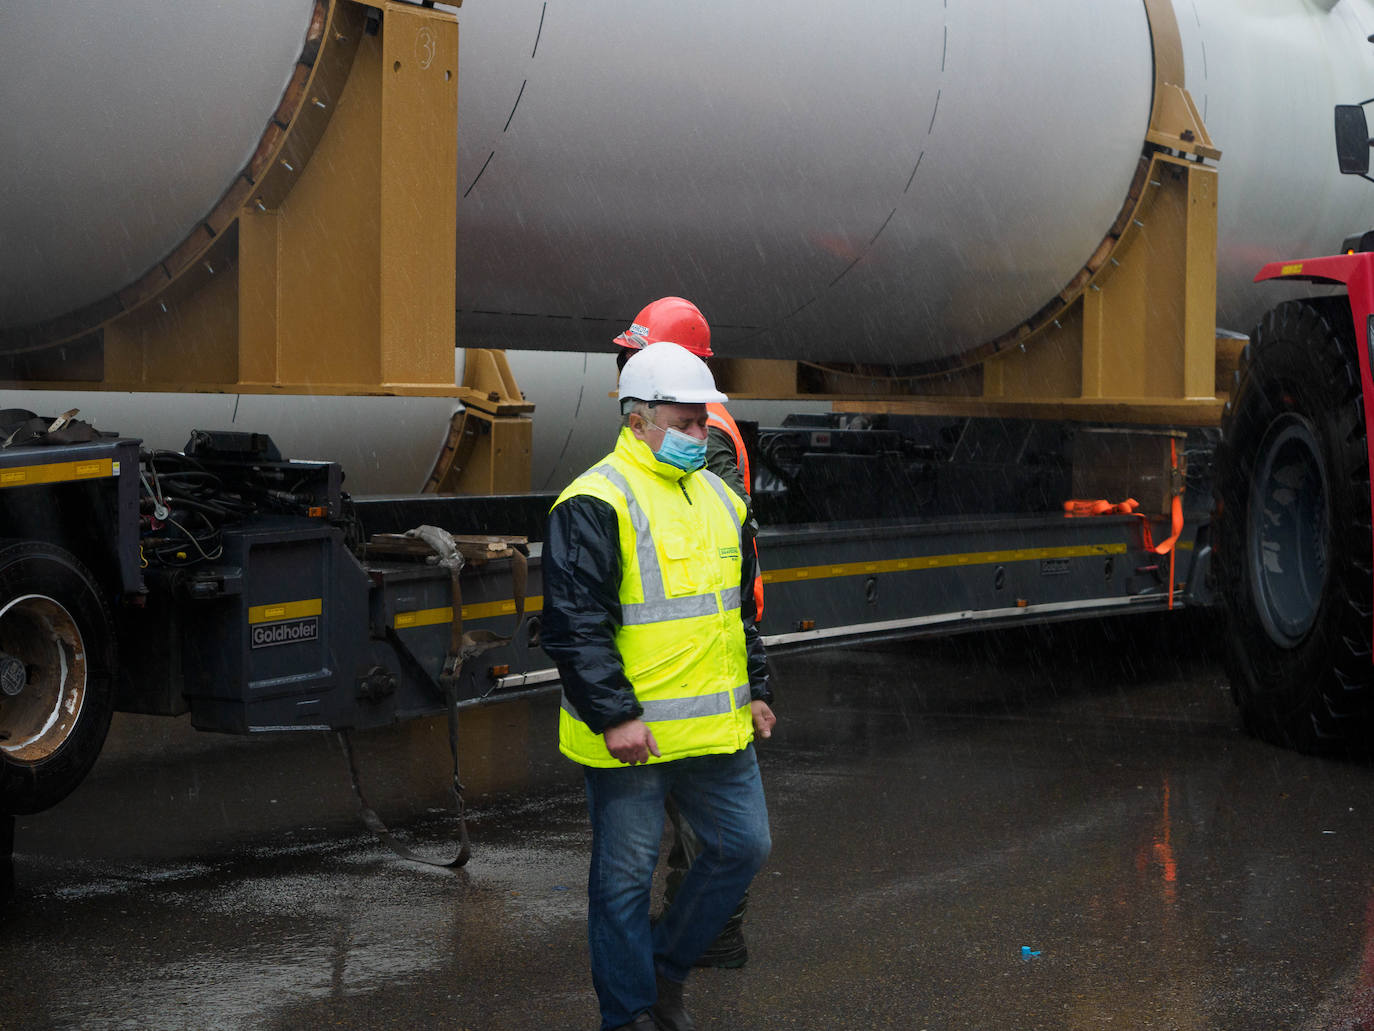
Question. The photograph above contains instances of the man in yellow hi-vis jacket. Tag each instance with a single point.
(649, 614)
(679, 320)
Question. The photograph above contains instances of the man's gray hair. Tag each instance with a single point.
(634, 406)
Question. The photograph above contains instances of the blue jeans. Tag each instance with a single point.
(721, 796)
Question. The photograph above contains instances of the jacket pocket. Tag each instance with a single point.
(685, 563)
(659, 666)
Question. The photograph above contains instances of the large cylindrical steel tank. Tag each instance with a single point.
(890, 182)
(887, 182)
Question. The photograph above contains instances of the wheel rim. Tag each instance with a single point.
(1289, 531)
(42, 634)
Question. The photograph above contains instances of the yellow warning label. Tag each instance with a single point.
(424, 617)
(56, 472)
(479, 610)
(1291, 270)
(285, 610)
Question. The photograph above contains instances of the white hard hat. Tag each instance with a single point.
(667, 372)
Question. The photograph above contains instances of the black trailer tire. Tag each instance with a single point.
(54, 619)
(1292, 531)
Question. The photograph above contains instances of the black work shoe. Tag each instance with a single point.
(728, 952)
(668, 1011)
(643, 1022)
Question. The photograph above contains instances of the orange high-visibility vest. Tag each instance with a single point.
(718, 417)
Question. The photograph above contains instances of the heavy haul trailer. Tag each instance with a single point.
(987, 354)
(253, 594)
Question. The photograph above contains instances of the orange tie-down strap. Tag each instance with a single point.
(1097, 508)
(1078, 508)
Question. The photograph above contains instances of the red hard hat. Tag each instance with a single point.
(675, 319)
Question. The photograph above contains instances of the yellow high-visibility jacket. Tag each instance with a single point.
(681, 639)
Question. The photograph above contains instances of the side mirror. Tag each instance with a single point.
(1352, 139)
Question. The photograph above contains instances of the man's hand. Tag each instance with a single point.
(763, 718)
(631, 742)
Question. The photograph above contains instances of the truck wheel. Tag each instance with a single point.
(1292, 531)
(56, 675)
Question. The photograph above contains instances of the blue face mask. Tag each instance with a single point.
(681, 451)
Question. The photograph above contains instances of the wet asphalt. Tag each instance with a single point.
(1059, 828)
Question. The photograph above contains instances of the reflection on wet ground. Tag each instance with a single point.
(1059, 828)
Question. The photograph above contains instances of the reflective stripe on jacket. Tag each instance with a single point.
(681, 637)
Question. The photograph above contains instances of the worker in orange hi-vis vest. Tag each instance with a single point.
(680, 321)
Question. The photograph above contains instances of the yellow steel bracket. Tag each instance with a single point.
(489, 441)
(1183, 129)
(489, 385)
(1174, 119)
